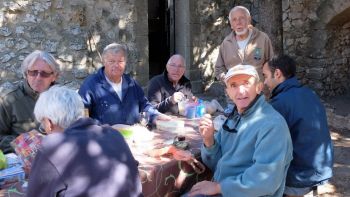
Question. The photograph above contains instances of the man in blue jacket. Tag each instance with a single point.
(250, 154)
(113, 97)
(306, 117)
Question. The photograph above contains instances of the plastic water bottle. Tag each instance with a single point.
(200, 109)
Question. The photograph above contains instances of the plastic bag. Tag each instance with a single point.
(26, 146)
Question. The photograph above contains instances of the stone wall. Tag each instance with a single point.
(317, 34)
(75, 32)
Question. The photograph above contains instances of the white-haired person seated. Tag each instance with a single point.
(17, 100)
(79, 157)
(251, 152)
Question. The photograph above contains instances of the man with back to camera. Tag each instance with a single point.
(79, 156)
(306, 118)
(250, 154)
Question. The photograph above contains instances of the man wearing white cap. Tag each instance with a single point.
(251, 152)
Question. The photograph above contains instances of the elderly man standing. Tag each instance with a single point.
(250, 154)
(40, 70)
(244, 45)
(306, 117)
(167, 89)
(79, 157)
(113, 97)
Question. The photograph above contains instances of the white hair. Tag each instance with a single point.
(43, 55)
(61, 105)
(176, 56)
(244, 9)
(115, 48)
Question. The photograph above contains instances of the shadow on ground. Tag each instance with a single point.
(341, 179)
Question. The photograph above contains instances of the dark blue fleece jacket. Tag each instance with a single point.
(312, 145)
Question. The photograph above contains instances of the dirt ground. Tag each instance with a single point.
(339, 185)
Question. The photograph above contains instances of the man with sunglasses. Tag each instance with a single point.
(40, 70)
(250, 154)
(306, 117)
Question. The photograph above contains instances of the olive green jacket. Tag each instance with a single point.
(16, 112)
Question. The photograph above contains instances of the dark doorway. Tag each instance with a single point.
(161, 34)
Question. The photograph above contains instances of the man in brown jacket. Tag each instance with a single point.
(244, 45)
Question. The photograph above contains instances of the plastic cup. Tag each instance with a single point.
(182, 107)
(191, 111)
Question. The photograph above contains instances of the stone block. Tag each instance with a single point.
(80, 73)
(5, 58)
(30, 18)
(21, 44)
(77, 44)
(5, 31)
(315, 73)
(340, 61)
(295, 15)
(50, 46)
(346, 52)
(285, 5)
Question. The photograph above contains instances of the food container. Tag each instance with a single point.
(135, 133)
(125, 130)
(173, 126)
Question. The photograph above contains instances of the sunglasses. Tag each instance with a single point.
(227, 128)
(35, 73)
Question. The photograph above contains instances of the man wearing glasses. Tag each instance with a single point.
(40, 70)
(250, 154)
(167, 89)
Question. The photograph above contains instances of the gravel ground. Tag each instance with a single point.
(339, 185)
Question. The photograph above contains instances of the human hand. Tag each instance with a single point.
(194, 99)
(206, 129)
(205, 188)
(177, 97)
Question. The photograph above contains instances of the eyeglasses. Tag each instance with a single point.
(227, 128)
(174, 66)
(42, 130)
(35, 73)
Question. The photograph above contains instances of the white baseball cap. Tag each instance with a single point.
(241, 70)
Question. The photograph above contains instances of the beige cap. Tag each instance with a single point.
(241, 70)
